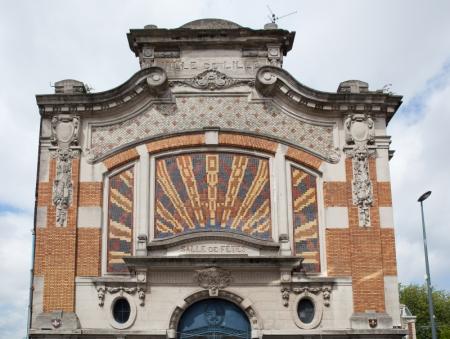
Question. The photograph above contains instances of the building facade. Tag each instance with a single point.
(212, 195)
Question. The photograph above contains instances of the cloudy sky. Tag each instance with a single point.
(403, 43)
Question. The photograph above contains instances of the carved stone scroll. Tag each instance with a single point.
(359, 134)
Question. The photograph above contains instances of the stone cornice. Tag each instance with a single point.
(241, 37)
(151, 81)
(276, 82)
(202, 236)
(190, 261)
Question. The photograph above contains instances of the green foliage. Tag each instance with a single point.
(415, 297)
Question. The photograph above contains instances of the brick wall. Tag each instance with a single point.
(56, 246)
(89, 252)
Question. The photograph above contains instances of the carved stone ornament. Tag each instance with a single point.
(102, 290)
(274, 55)
(56, 319)
(213, 80)
(373, 322)
(213, 279)
(359, 134)
(65, 130)
(62, 191)
(324, 290)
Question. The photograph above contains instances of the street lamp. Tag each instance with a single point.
(430, 299)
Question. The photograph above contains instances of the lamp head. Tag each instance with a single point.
(424, 196)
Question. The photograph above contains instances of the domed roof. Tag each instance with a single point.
(211, 24)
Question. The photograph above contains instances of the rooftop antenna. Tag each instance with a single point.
(274, 18)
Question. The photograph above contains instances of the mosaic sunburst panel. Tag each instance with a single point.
(212, 192)
(305, 219)
(120, 223)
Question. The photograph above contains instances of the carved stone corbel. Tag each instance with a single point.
(213, 279)
(65, 130)
(274, 55)
(359, 134)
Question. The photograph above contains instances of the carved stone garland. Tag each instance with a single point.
(325, 290)
(102, 290)
(213, 279)
(359, 134)
(64, 139)
(212, 80)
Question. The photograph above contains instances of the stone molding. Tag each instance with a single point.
(276, 82)
(243, 303)
(201, 236)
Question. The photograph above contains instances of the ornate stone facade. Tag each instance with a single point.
(214, 188)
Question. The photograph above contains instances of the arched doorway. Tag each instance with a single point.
(213, 319)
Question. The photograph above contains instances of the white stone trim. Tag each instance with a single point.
(391, 298)
(91, 172)
(41, 216)
(318, 310)
(336, 217)
(44, 165)
(90, 216)
(211, 137)
(382, 165)
(279, 196)
(142, 192)
(133, 312)
(386, 217)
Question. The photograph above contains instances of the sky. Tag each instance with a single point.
(403, 43)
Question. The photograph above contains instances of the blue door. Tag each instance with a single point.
(214, 319)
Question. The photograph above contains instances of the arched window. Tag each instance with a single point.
(214, 318)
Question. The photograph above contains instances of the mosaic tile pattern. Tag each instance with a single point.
(212, 192)
(195, 113)
(120, 225)
(306, 225)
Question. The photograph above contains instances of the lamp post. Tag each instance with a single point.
(427, 266)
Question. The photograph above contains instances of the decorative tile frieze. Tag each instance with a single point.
(228, 113)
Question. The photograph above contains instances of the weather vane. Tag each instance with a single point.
(274, 18)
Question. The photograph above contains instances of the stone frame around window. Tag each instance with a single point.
(133, 312)
(318, 310)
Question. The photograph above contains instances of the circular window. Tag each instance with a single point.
(305, 310)
(121, 310)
